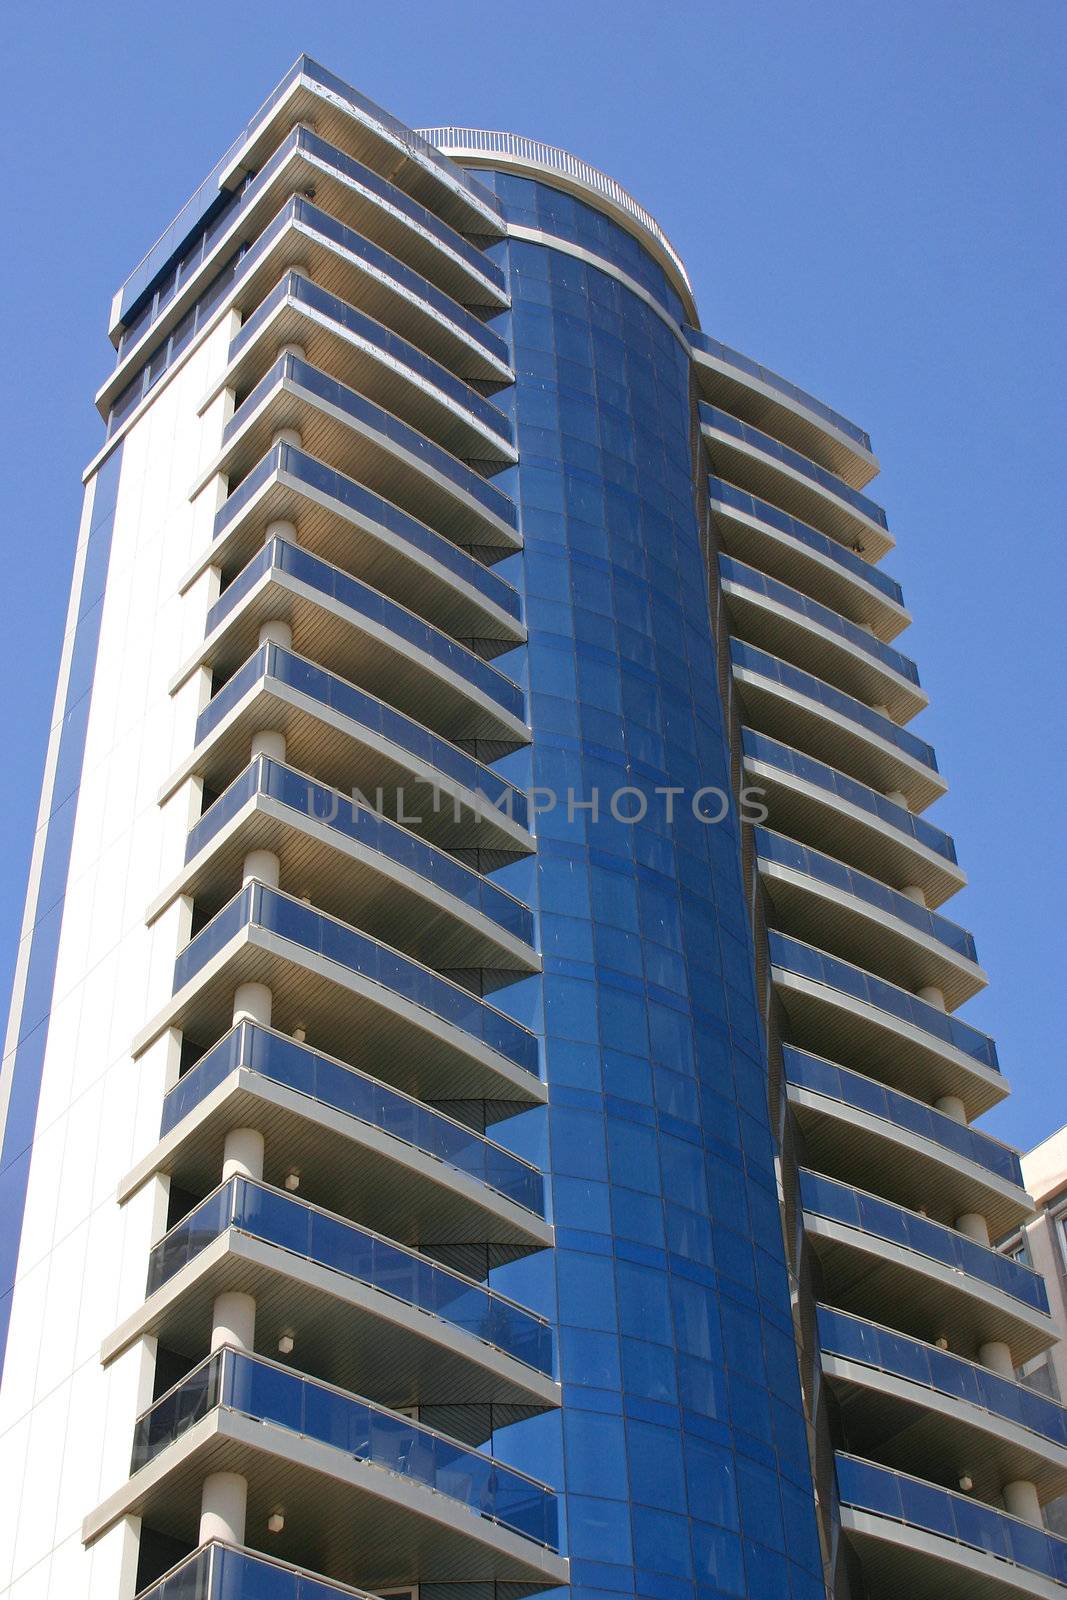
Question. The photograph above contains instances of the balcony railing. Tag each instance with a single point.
(775, 847)
(917, 1504)
(278, 555)
(329, 809)
(222, 1572)
(355, 408)
(262, 907)
(402, 530)
(337, 694)
(773, 380)
(807, 962)
(884, 1350)
(268, 1393)
(723, 422)
(331, 1241)
(761, 747)
(750, 505)
(854, 1089)
(344, 1088)
(840, 1202)
(791, 678)
(391, 347)
(759, 583)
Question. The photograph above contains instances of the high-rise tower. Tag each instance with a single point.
(455, 1141)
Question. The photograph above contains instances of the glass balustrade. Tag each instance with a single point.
(268, 1393)
(331, 1083)
(258, 906)
(773, 380)
(723, 422)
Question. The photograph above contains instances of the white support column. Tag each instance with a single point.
(288, 436)
(242, 1154)
(898, 798)
(974, 1226)
(280, 529)
(913, 892)
(950, 1105)
(223, 1505)
(233, 1321)
(1020, 1498)
(268, 743)
(996, 1355)
(933, 996)
(262, 866)
(296, 350)
(252, 1002)
(276, 632)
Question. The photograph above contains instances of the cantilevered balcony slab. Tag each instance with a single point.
(859, 1131)
(741, 386)
(350, 1164)
(780, 619)
(828, 904)
(357, 531)
(347, 343)
(923, 1411)
(849, 1016)
(917, 1540)
(816, 804)
(754, 531)
(351, 742)
(352, 862)
(790, 704)
(356, 631)
(356, 1514)
(360, 1000)
(893, 1266)
(367, 443)
(752, 460)
(366, 1313)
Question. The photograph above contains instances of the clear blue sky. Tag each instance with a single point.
(869, 199)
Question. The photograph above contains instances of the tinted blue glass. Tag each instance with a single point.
(653, 1044)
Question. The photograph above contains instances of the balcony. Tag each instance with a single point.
(787, 703)
(381, 365)
(822, 807)
(785, 622)
(219, 1571)
(761, 535)
(370, 538)
(884, 1262)
(361, 1148)
(761, 397)
(364, 1312)
(842, 911)
(856, 1129)
(352, 742)
(917, 1540)
(840, 1011)
(795, 484)
(916, 1408)
(366, 638)
(367, 1003)
(345, 855)
(365, 1488)
(342, 429)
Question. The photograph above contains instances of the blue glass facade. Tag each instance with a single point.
(681, 1451)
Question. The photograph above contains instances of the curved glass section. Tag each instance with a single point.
(822, 616)
(750, 505)
(712, 417)
(271, 661)
(222, 1572)
(796, 681)
(332, 1083)
(281, 556)
(807, 1071)
(401, 528)
(268, 1393)
(367, 827)
(800, 397)
(801, 858)
(918, 1504)
(761, 747)
(380, 421)
(390, 346)
(258, 906)
(794, 956)
(871, 1345)
(840, 1202)
(291, 1224)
